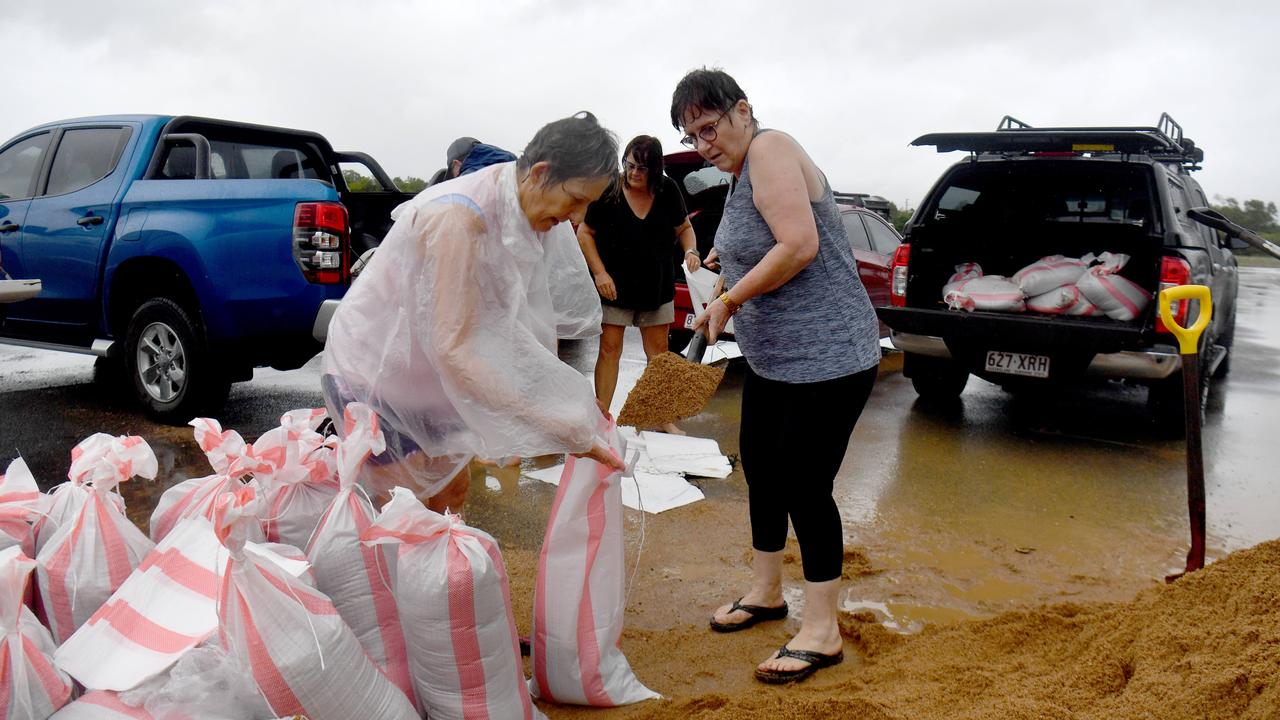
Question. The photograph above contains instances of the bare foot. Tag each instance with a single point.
(724, 617)
(823, 646)
(671, 429)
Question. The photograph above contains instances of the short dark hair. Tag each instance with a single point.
(648, 150)
(705, 89)
(574, 147)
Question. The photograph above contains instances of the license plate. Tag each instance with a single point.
(688, 320)
(1018, 364)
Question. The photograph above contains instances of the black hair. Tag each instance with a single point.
(574, 147)
(705, 89)
(648, 150)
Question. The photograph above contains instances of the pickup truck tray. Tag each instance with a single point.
(1013, 330)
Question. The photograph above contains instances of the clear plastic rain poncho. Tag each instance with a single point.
(450, 332)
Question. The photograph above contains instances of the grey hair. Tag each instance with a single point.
(574, 147)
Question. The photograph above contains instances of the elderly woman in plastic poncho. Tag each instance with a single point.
(450, 333)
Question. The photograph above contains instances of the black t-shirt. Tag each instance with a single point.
(637, 253)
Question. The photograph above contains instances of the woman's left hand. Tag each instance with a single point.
(691, 261)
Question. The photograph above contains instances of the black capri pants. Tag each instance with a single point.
(792, 441)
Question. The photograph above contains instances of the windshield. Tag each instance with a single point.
(1035, 192)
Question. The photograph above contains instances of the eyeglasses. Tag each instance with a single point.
(706, 132)
(628, 166)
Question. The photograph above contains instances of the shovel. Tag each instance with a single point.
(672, 388)
(1188, 345)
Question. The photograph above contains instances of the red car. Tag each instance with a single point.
(704, 189)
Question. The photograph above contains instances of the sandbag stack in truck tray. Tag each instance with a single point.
(455, 607)
(1053, 285)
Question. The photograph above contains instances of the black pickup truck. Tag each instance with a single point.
(1025, 193)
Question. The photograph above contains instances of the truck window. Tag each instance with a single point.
(230, 160)
(856, 232)
(85, 156)
(18, 166)
(1001, 194)
(359, 178)
(884, 239)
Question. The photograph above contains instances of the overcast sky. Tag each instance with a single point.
(854, 82)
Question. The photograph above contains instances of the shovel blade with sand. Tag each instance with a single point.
(672, 388)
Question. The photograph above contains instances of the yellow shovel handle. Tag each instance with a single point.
(1188, 337)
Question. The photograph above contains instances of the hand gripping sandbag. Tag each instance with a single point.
(1119, 298)
(359, 578)
(1049, 273)
(228, 455)
(297, 472)
(96, 549)
(579, 597)
(455, 607)
(304, 658)
(21, 504)
(989, 292)
(31, 687)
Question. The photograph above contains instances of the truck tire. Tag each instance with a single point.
(174, 375)
(1226, 340)
(935, 378)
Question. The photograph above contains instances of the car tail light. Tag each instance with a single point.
(898, 276)
(1173, 272)
(322, 242)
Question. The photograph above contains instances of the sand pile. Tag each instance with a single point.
(1207, 646)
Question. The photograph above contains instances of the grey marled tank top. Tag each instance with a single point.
(820, 324)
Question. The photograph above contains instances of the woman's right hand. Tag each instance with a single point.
(605, 286)
(603, 454)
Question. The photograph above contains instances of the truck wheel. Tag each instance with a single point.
(174, 375)
(1226, 340)
(935, 378)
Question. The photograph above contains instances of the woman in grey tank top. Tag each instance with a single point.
(811, 342)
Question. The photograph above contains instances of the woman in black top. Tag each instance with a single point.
(627, 238)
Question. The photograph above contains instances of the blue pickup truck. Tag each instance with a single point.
(182, 251)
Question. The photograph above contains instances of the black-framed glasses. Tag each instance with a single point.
(628, 166)
(707, 133)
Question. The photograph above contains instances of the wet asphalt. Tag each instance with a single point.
(964, 510)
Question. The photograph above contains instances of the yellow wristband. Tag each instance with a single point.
(729, 303)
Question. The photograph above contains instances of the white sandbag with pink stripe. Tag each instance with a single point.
(21, 505)
(964, 271)
(579, 597)
(103, 705)
(66, 499)
(1050, 272)
(296, 468)
(31, 687)
(96, 549)
(989, 292)
(228, 455)
(359, 578)
(455, 606)
(1066, 300)
(304, 658)
(1118, 297)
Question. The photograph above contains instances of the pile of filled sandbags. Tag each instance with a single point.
(1053, 285)
(220, 614)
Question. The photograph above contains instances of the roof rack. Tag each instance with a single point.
(1164, 143)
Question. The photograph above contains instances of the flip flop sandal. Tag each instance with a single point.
(816, 661)
(756, 614)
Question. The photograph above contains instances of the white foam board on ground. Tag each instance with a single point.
(684, 454)
(648, 491)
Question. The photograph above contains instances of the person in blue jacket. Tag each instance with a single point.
(466, 155)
